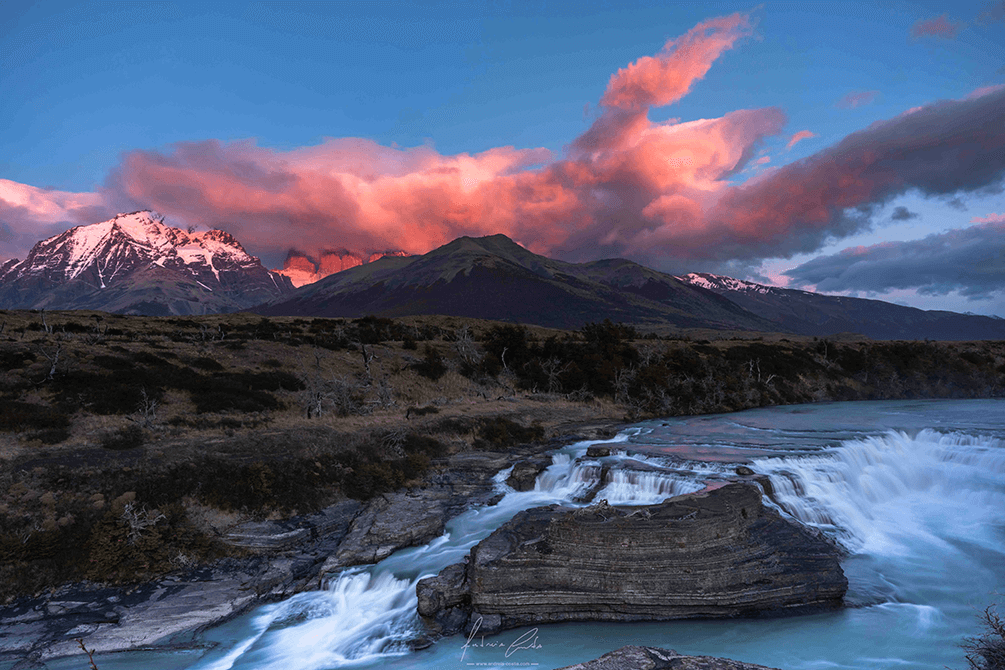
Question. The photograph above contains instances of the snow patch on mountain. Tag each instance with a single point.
(126, 241)
(721, 283)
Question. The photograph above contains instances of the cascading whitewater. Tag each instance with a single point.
(630, 487)
(369, 613)
(921, 512)
(882, 494)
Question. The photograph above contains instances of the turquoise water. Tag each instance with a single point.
(914, 491)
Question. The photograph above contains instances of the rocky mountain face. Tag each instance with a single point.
(136, 264)
(815, 314)
(494, 278)
(303, 269)
(717, 553)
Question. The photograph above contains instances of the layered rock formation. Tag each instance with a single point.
(654, 658)
(717, 553)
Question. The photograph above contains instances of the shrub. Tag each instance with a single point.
(987, 651)
(234, 399)
(208, 364)
(431, 365)
(502, 432)
(16, 416)
(129, 437)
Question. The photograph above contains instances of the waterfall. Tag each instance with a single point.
(882, 494)
(631, 487)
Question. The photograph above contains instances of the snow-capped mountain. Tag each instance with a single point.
(135, 263)
(816, 314)
(721, 283)
(303, 269)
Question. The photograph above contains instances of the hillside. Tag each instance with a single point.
(816, 314)
(494, 278)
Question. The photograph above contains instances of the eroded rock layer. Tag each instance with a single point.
(717, 553)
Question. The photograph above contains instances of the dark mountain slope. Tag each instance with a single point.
(495, 278)
(822, 315)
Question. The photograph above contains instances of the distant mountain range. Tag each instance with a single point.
(809, 313)
(135, 264)
(495, 278)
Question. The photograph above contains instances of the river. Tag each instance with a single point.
(913, 490)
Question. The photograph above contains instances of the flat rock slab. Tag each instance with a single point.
(654, 658)
(389, 523)
(716, 553)
(170, 610)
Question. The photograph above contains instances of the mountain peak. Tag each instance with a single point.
(68, 270)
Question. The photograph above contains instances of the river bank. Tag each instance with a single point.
(277, 559)
(909, 489)
(235, 455)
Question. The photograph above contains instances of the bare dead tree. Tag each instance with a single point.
(385, 393)
(138, 519)
(53, 359)
(465, 345)
(368, 357)
(553, 370)
(623, 379)
(45, 326)
(147, 409)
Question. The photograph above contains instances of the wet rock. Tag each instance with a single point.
(597, 451)
(389, 523)
(272, 536)
(744, 471)
(654, 658)
(716, 553)
(525, 472)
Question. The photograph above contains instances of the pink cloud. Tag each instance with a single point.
(658, 192)
(944, 148)
(993, 219)
(940, 26)
(654, 81)
(623, 183)
(799, 137)
(28, 213)
(985, 90)
(857, 99)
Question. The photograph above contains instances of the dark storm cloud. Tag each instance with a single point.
(968, 260)
(903, 214)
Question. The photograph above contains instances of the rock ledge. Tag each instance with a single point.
(717, 553)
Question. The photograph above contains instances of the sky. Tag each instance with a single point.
(846, 147)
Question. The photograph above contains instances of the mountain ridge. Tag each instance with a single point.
(493, 277)
(135, 263)
(817, 314)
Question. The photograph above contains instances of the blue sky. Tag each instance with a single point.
(88, 85)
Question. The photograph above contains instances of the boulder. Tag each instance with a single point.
(525, 472)
(654, 658)
(388, 523)
(715, 553)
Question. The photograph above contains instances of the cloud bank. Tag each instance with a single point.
(662, 193)
(970, 261)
